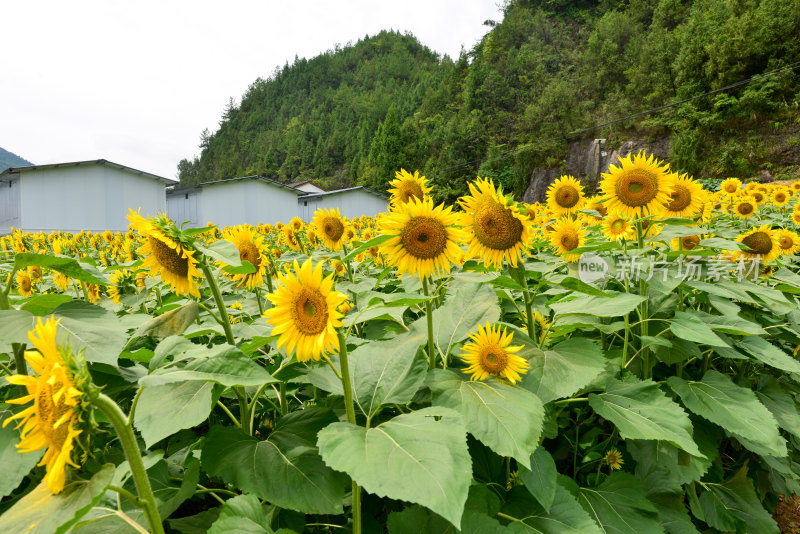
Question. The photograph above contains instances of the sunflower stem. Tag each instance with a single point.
(260, 303)
(19, 358)
(223, 313)
(284, 400)
(131, 448)
(429, 317)
(643, 307)
(351, 418)
(522, 276)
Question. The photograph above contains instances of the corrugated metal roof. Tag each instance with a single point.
(18, 170)
(179, 190)
(338, 191)
(298, 184)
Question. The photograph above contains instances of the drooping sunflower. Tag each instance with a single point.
(565, 196)
(406, 186)
(497, 230)
(252, 249)
(762, 245)
(305, 313)
(24, 283)
(124, 282)
(291, 238)
(332, 228)
(745, 207)
(567, 235)
(639, 186)
(423, 240)
(685, 198)
(730, 186)
(490, 353)
(164, 256)
(54, 419)
(788, 241)
(93, 293)
(616, 227)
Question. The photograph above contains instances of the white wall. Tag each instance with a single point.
(9, 206)
(246, 201)
(86, 197)
(184, 207)
(351, 204)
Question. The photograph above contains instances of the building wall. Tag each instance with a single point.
(185, 207)
(351, 204)
(86, 197)
(246, 201)
(9, 206)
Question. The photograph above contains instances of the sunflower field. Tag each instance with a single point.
(618, 363)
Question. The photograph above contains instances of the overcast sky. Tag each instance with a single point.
(135, 82)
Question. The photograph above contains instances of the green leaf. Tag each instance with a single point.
(640, 410)
(782, 404)
(223, 364)
(245, 268)
(388, 372)
(415, 519)
(574, 284)
(620, 507)
(765, 352)
(40, 511)
(565, 516)
(284, 469)
(686, 326)
(94, 329)
(171, 323)
(673, 514)
(15, 463)
(420, 457)
(243, 514)
(541, 479)
(471, 305)
(562, 370)
(505, 418)
(69, 266)
(664, 468)
(734, 506)
(223, 251)
(191, 403)
(14, 326)
(45, 304)
(374, 242)
(734, 408)
(195, 524)
(724, 244)
(616, 306)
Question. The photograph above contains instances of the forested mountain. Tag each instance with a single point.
(355, 114)
(9, 159)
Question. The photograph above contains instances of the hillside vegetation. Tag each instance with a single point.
(355, 114)
(9, 159)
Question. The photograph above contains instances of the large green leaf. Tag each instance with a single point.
(469, 306)
(734, 506)
(415, 519)
(420, 457)
(507, 419)
(45, 304)
(223, 364)
(663, 468)
(243, 514)
(640, 410)
(615, 306)
(223, 251)
(734, 408)
(562, 370)
(541, 478)
(388, 372)
(171, 323)
(15, 464)
(565, 516)
(69, 266)
(687, 326)
(94, 329)
(781, 403)
(191, 404)
(14, 326)
(673, 514)
(764, 351)
(619, 506)
(40, 511)
(284, 469)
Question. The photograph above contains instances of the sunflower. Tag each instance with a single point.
(779, 197)
(788, 241)
(296, 223)
(688, 242)
(489, 353)
(496, 229)
(61, 281)
(567, 235)
(305, 312)
(686, 197)
(796, 218)
(93, 292)
(35, 272)
(332, 228)
(251, 249)
(762, 244)
(639, 186)
(423, 240)
(124, 282)
(730, 186)
(24, 284)
(53, 421)
(542, 324)
(235, 312)
(165, 256)
(406, 186)
(565, 196)
(745, 207)
(613, 459)
(291, 238)
(596, 203)
(616, 227)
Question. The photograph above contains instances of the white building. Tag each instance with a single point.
(84, 195)
(307, 186)
(245, 200)
(352, 202)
